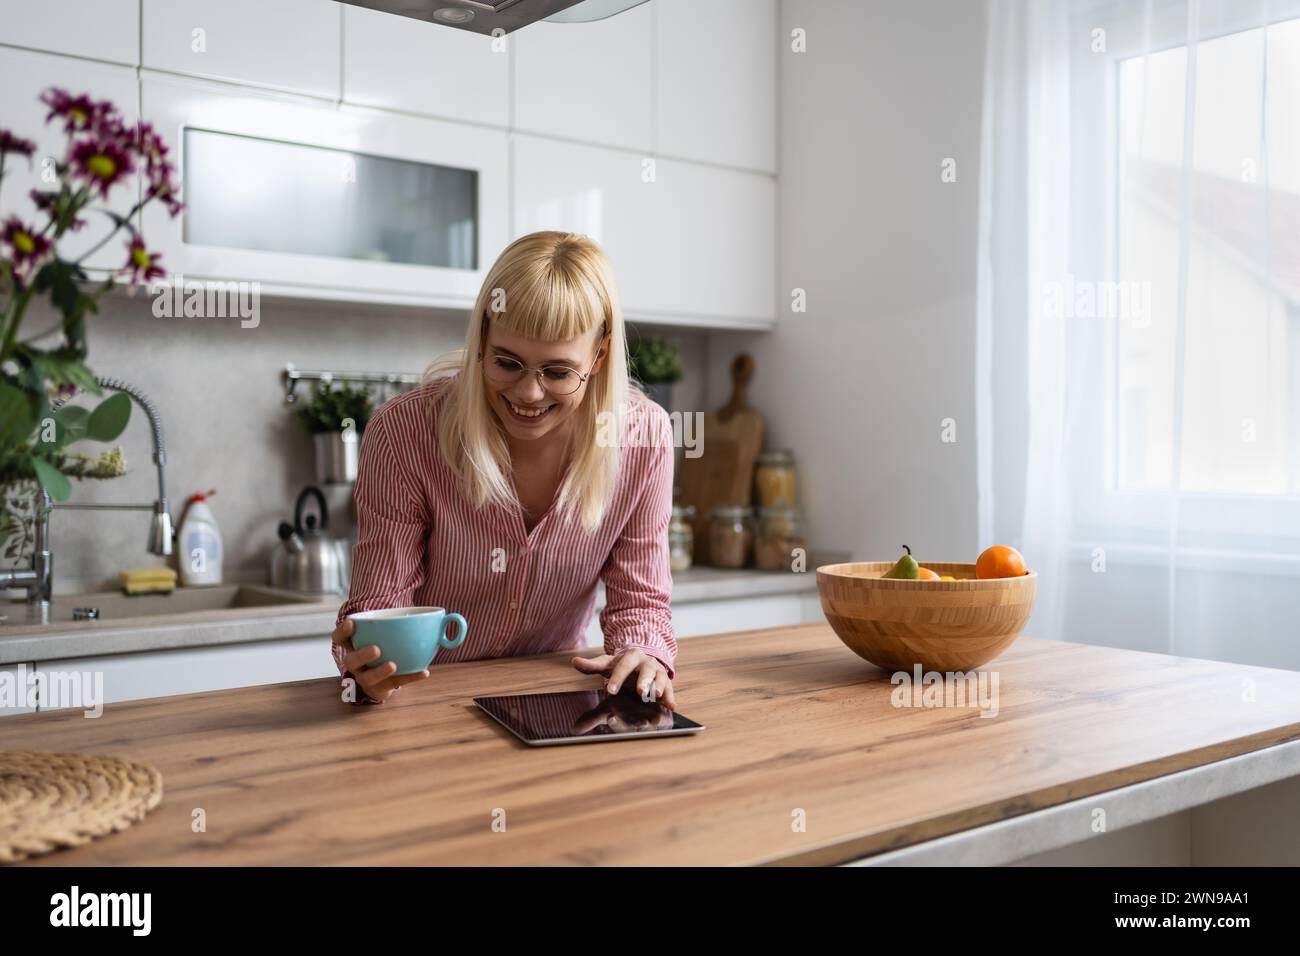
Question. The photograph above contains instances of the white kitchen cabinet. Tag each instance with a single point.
(588, 81)
(192, 670)
(715, 77)
(401, 63)
(811, 609)
(695, 246)
(15, 679)
(289, 44)
(320, 150)
(24, 75)
(696, 618)
(99, 29)
(717, 234)
(736, 614)
(596, 192)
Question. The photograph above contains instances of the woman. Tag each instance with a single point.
(506, 489)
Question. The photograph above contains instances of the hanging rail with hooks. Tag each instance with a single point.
(292, 376)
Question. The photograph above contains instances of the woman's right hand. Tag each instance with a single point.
(377, 682)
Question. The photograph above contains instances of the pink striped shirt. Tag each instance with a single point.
(422, 542)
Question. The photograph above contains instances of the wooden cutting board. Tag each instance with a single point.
(723, 472)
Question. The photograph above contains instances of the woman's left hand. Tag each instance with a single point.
(652, 681)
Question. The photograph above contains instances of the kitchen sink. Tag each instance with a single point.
(193, 618)
(115, 609)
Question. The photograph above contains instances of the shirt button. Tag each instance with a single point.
(513, 605)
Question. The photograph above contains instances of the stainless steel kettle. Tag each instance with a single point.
(308, 559)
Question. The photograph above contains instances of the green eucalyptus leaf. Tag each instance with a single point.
(72, 423)
(54, 482)
(109, 418)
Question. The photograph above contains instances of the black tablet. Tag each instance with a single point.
(584, 717)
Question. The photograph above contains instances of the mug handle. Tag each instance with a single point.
(461, 631)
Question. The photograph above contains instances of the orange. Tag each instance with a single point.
(925, 574)
(1000, 561)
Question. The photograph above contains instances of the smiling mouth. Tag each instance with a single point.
(526, 414)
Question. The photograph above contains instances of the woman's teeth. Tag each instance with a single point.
(528, 412)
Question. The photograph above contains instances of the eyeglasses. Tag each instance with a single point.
(555, 379)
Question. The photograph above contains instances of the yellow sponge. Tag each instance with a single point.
(148, 580)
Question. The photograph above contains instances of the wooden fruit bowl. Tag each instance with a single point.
(941, 625)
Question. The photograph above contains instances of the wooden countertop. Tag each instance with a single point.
(288, 774)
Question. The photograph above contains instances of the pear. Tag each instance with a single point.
(906, 567)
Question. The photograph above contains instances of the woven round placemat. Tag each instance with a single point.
(49, 801)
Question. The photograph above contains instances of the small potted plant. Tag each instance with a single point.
(41, 369)
(656, 364)
(335, 417)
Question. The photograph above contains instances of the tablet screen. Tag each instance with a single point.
(580, 716)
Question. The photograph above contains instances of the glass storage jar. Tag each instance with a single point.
(681, 538)
(780, 532)
(774, 479)
(731, 536)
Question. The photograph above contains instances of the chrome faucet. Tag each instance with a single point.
(38, 580)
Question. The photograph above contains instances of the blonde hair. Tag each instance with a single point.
(551, 286)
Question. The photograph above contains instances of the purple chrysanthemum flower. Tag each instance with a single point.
(26, 245)
(102, 161)
(79, 113)
(141, 263)
(9, 143)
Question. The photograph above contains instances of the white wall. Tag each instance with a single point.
(858, 385)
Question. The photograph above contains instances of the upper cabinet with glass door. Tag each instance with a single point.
(324, 201)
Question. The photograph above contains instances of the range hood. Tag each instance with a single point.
(488, 16)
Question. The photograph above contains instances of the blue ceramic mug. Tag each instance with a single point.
(408, 636)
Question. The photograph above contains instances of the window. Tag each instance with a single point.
(1210, 403)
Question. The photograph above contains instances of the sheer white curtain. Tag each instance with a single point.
(1139, 320)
